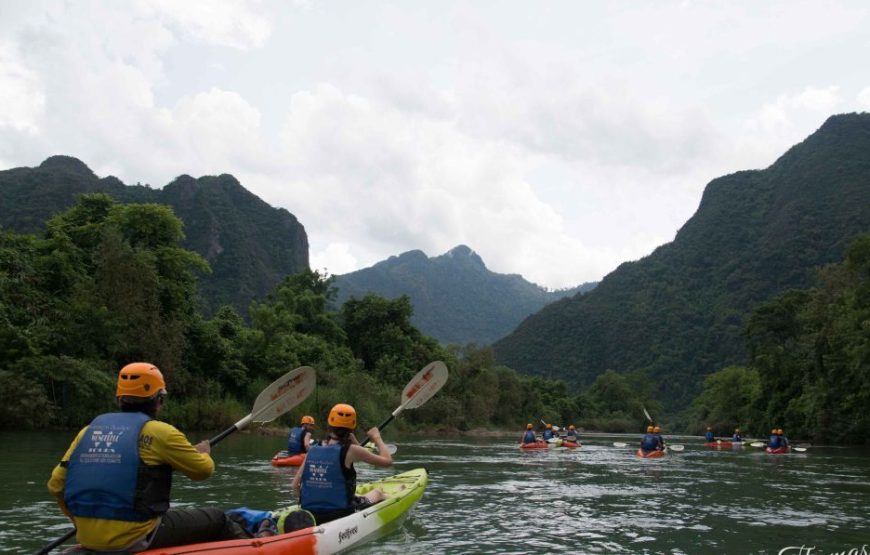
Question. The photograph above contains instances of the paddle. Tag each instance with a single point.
(280, 396)
(620, 444)
(420, 389)
(758, 444)
(676, 447)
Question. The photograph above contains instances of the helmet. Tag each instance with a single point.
(307, 420)
(779, 431)
(709, 429)
(142, 380)
(549, 426)
(649, 429)
(657, 429)
(529, 426)
(773, 431)
(342, 416)
(736, 429)
(571, 427)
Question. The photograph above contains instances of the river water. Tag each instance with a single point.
(485, 496)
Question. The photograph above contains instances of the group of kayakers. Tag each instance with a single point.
(652, 440)
(115, 478)
(550, 432)
(777, 439)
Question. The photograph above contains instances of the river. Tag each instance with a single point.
(485, 496)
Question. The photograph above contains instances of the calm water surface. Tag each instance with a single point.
(485, 496)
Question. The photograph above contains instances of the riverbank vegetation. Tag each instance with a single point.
(108, 283)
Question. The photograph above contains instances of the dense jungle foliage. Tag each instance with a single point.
(680, 313)
(108, 283)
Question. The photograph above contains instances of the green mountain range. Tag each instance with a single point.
(456, 299)
(679, 313)
(249, 245)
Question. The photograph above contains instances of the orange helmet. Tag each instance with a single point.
(142, 380)
(529, 426)
(736, 429)
(571, 427)
(307, 420)
(709, 429)
(773, 431)
(549, 426)
(649, 429)
(779, 431)
(657, 429)
(342, 416)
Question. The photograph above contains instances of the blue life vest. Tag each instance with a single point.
(775, 442)
(107, 479)
(296, 440)
(326, 484)
(529, 436)
(571, 435)
(736, 438)
(649, 442)
(710, 436)
(548, 434)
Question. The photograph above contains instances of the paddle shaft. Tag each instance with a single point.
(59, 541)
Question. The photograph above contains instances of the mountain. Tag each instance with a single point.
(679, 313)
(249, 245)
(456, 299)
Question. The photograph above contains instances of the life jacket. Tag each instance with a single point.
(296, 441)
(548, 434)
(571, 435)
(327, 485)
(736, 438)
(649, 442)
(774, 442)
(710, 436)
(107, 479)
(529, 436)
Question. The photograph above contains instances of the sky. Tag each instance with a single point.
(557, 139)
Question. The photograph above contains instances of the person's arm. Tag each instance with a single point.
(170, 446)
(57, 482)
(359, 453)
(297, 480)
(306, 442)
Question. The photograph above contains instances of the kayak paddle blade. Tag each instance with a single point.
(283, 394)
(424, 385)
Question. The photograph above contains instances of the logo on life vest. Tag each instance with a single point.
(102, 442)
(347, 534)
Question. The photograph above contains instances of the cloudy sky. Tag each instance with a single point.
(557, 139)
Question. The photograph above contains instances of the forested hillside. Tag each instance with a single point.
(249, 245)
(456, 299)
(679, 313)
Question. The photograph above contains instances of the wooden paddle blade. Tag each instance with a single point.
(283, 394)
(424, 385)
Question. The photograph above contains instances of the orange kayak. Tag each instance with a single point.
(651, 454)
(282, 458)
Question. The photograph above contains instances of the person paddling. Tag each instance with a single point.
(737, 438)
(775, 440)
(783, 441)
(300, 436)
(649, 441)
(115, 478)
(571, 434)
(326, 482)
(548, 433)
(529, 435)
(709, 436)
(661, 441)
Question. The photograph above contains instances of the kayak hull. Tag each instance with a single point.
(651, 454)
(535, 445)
(403, 491)
(777, 451)
(571, 444)
(719, 443)
(281, 458)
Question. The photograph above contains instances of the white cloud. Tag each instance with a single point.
(864, 99)
(22, 100)
(234, 23)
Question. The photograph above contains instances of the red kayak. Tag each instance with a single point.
(536, 445)
(282, 458)
(651, 454)
(571, 444)
(778, 450)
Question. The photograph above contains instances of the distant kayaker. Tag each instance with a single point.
(548, 433)
(529, 435)
(658, 432)
(775, 439)
(736, 438)
(115, 478)
(650, 441)
(300, 436)
(710, 436)
(571, 434)
(326, 483)
(783, 441)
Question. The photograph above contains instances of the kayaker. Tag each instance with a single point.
(326, 483)
(736, 438)
(658, 432)
(571, 434)
(548, 433)
(783, 441)
(775, 440)
(710, 436)
(529, 435)
(115, 478)
(649, 442)
(300, 436)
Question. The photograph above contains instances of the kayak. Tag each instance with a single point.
(540, 444)
(403, 491)
(718, 443)
(282, 458)
(651, 454)
(570, 444)
(777, 451)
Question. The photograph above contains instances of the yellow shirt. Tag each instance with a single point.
(159, 443)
